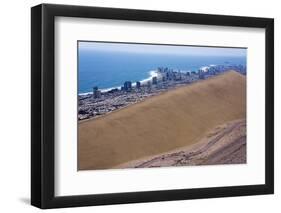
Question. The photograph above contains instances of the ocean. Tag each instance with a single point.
(111, 69)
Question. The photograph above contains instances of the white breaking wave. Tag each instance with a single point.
(205, 68)
(152, 73)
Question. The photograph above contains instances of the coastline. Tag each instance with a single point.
(152, 73)
(100, 102)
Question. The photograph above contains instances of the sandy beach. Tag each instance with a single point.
(173, 120)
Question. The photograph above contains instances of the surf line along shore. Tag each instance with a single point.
(171, 120)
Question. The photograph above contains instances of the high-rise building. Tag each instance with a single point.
(128, 86)
(138, 84)
(201, 74)
(96, 92)
(148, 84)
(154, 80)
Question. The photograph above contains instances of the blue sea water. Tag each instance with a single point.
(111, 69)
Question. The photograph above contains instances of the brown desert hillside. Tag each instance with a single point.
(174, 119)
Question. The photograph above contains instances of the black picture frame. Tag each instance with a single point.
(43, 117)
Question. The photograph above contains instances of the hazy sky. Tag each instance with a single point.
(160, 49)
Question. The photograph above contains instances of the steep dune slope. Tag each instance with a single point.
(161, 123)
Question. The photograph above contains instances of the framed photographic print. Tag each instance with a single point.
(139, 106)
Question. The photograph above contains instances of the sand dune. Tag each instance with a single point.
(226, 144)
(161, 123)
